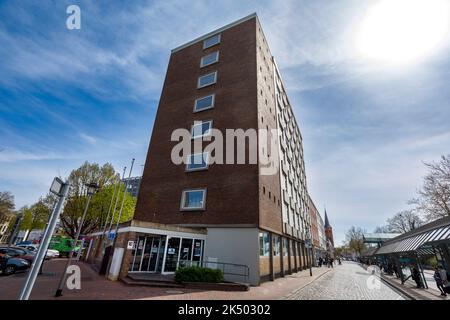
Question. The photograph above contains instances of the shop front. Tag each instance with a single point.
(163, 254)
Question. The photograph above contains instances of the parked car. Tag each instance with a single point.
(12, 265)
(51, 253)
(17, 252)
(24, 243)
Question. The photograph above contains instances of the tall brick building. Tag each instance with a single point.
(227, 213)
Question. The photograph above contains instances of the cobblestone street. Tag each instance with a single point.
(346, 282)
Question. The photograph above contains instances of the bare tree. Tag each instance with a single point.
(355, 240)
(404, 221)
(434, 196)
(382, 229)
(6, 204)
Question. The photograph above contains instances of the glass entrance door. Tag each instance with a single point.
(173, 249)
(186, 253)
(148, 254)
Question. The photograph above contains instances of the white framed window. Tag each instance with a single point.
(201, 129)
(197, 161)
(204, 103)
(193, 199)
(209, 59)
(207, 80)
(211, 41)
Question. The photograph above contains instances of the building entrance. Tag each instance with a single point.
(157, 253)
(148, 254)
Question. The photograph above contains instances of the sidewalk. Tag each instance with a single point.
(410, 290)
(94, 286)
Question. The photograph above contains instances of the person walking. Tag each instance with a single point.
(320, 261)
(416, 277)
(3, 261)
(439, 282)
(445, 280)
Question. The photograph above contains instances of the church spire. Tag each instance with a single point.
(327, 223)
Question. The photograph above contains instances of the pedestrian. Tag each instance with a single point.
(394, 268)
(3, 260)
(320, 261)
(445, 279)
(416, 277)
(331, 262)
(439, 282)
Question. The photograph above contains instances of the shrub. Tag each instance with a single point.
(198, 274)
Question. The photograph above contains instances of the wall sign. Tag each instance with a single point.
(130, 245)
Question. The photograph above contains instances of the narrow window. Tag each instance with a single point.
(212, 41)
(204, 103)
(209, 59)
(207, 80)
(201, 129)
(197, 161)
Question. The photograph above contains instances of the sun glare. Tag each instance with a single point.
(404, 31)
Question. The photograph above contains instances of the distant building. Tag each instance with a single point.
(373, 241)
(133, 185)
(317, 230)
(321, 229)
(377, 239)
(329, 235)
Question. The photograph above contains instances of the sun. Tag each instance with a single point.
(403, 31)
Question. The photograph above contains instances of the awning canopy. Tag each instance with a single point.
(417, 239)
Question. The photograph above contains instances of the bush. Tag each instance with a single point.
(198, 274)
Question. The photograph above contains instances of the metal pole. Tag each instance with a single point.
(120, 216)
(58, 292)
(32, 274)
(110, 207)
(123, 201)
(102, 235)
(117, 200)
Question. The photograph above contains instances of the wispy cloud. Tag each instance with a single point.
(88, 138)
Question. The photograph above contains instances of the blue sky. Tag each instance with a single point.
(67, 96)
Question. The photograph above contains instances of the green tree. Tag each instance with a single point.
(27, 220)
(106, 177)
(41, 211)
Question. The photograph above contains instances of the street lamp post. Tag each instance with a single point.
(91, 189)
(61, 189)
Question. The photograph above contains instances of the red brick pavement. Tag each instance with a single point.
(94, 286)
